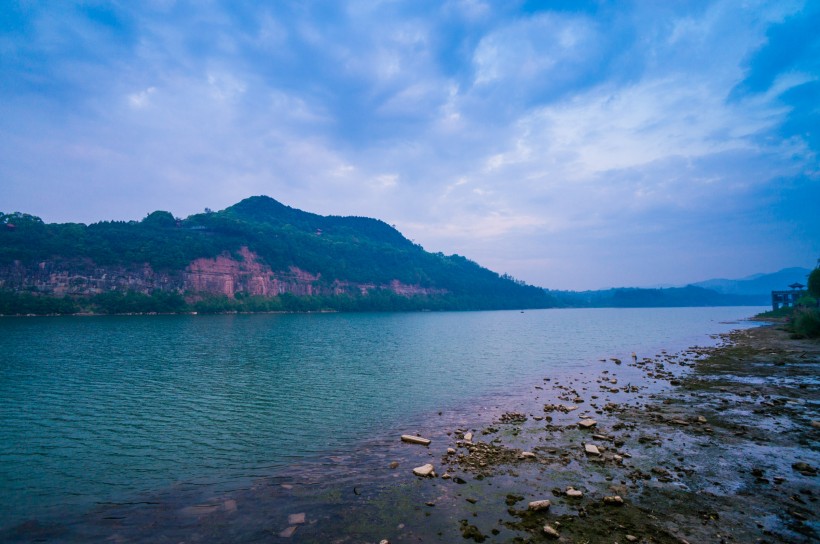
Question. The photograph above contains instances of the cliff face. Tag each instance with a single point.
(225, 275)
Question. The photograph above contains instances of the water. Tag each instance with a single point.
(103, 409)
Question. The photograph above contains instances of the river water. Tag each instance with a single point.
(100, 410)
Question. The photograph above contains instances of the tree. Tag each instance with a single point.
(814, 283)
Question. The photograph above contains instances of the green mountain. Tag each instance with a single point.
(632, 297)
(256, 255)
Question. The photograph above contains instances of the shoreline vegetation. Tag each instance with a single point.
(379, 300)
(714, 444)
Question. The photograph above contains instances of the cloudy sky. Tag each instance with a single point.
(572, 144)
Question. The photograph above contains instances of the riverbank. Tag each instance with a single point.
(707, 445)
(729, 454)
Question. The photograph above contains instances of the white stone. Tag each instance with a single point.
(572, 492)
(535, 506)
(527, 455)
(549, 531)
(468, 437)
(587, 423)
(424, 470)
(592, 449)
(287, 533)
(415, 439)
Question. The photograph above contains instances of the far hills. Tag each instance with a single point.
(261, 255)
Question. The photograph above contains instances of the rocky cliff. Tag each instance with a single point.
(241, 273)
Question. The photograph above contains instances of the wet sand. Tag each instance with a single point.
(708, 445)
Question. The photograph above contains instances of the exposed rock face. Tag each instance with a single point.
(224, 275)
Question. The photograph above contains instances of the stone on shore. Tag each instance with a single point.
(574, 493)
(424, 470)
(804, 468)
(536, 506)
(592, 449)
(409, 438)
(587, 423)
(614, 500)
(526, 455)
(287, 533)
(551, 532)
(468, 437)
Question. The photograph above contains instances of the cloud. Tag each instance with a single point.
(558, 143)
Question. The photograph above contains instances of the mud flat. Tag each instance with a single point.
(714, 444)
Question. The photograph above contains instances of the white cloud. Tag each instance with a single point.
(141, 99)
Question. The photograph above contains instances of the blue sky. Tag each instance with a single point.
(572, 144)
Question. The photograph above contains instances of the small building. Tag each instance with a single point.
(787, 299)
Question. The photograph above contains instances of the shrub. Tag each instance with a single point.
(807, 323)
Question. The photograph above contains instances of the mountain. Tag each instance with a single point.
(631, 297)
(760, 285)
(258, 254)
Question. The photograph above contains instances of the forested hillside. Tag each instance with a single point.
(256, 255)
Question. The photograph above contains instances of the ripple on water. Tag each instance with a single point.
(99, 409)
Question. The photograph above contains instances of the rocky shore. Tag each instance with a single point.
(726, 452)
(709, 445)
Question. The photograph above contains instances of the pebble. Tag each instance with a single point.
(296, 519)
(468, 437)
(632, 538)
(587, 423)
(424, 470)
(526, 455)
(536, 506)
(451, 450)
(394, 464)
(572, 492)
(551, 532)
(614, 500)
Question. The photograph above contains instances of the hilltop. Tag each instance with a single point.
(257, 255)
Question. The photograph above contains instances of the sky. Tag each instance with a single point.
(572, 144)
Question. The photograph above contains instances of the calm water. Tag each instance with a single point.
(98, 409)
